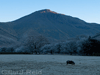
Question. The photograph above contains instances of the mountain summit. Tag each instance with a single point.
(47, 11)
(50, 24)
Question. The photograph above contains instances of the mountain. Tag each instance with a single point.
(97, 36)
(50, 24)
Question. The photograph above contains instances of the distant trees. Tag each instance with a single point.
(91, 47)
(87, 46)
(39, 44)
(6, 50)
(61, 48)
(35, 43)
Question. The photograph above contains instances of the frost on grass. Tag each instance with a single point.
(51, 64)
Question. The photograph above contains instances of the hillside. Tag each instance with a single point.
(55, 25)
(50, 24)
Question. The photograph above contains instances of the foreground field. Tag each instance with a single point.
(48, 65)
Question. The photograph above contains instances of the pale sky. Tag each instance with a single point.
(87, 10)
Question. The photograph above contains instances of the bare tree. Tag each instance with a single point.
(34, 43)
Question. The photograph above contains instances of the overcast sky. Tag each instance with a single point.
(88, 10)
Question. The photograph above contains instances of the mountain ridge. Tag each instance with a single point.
(51, 24)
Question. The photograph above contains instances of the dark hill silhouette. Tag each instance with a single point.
(50, 24)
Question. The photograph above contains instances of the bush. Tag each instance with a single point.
(7, 50)
(91, 47)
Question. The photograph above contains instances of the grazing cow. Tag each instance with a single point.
(70, 62)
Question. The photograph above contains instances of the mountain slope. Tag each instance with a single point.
(51, 24)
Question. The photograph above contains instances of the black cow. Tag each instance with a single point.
(70, 62)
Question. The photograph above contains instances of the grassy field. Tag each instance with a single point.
(48, 65)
